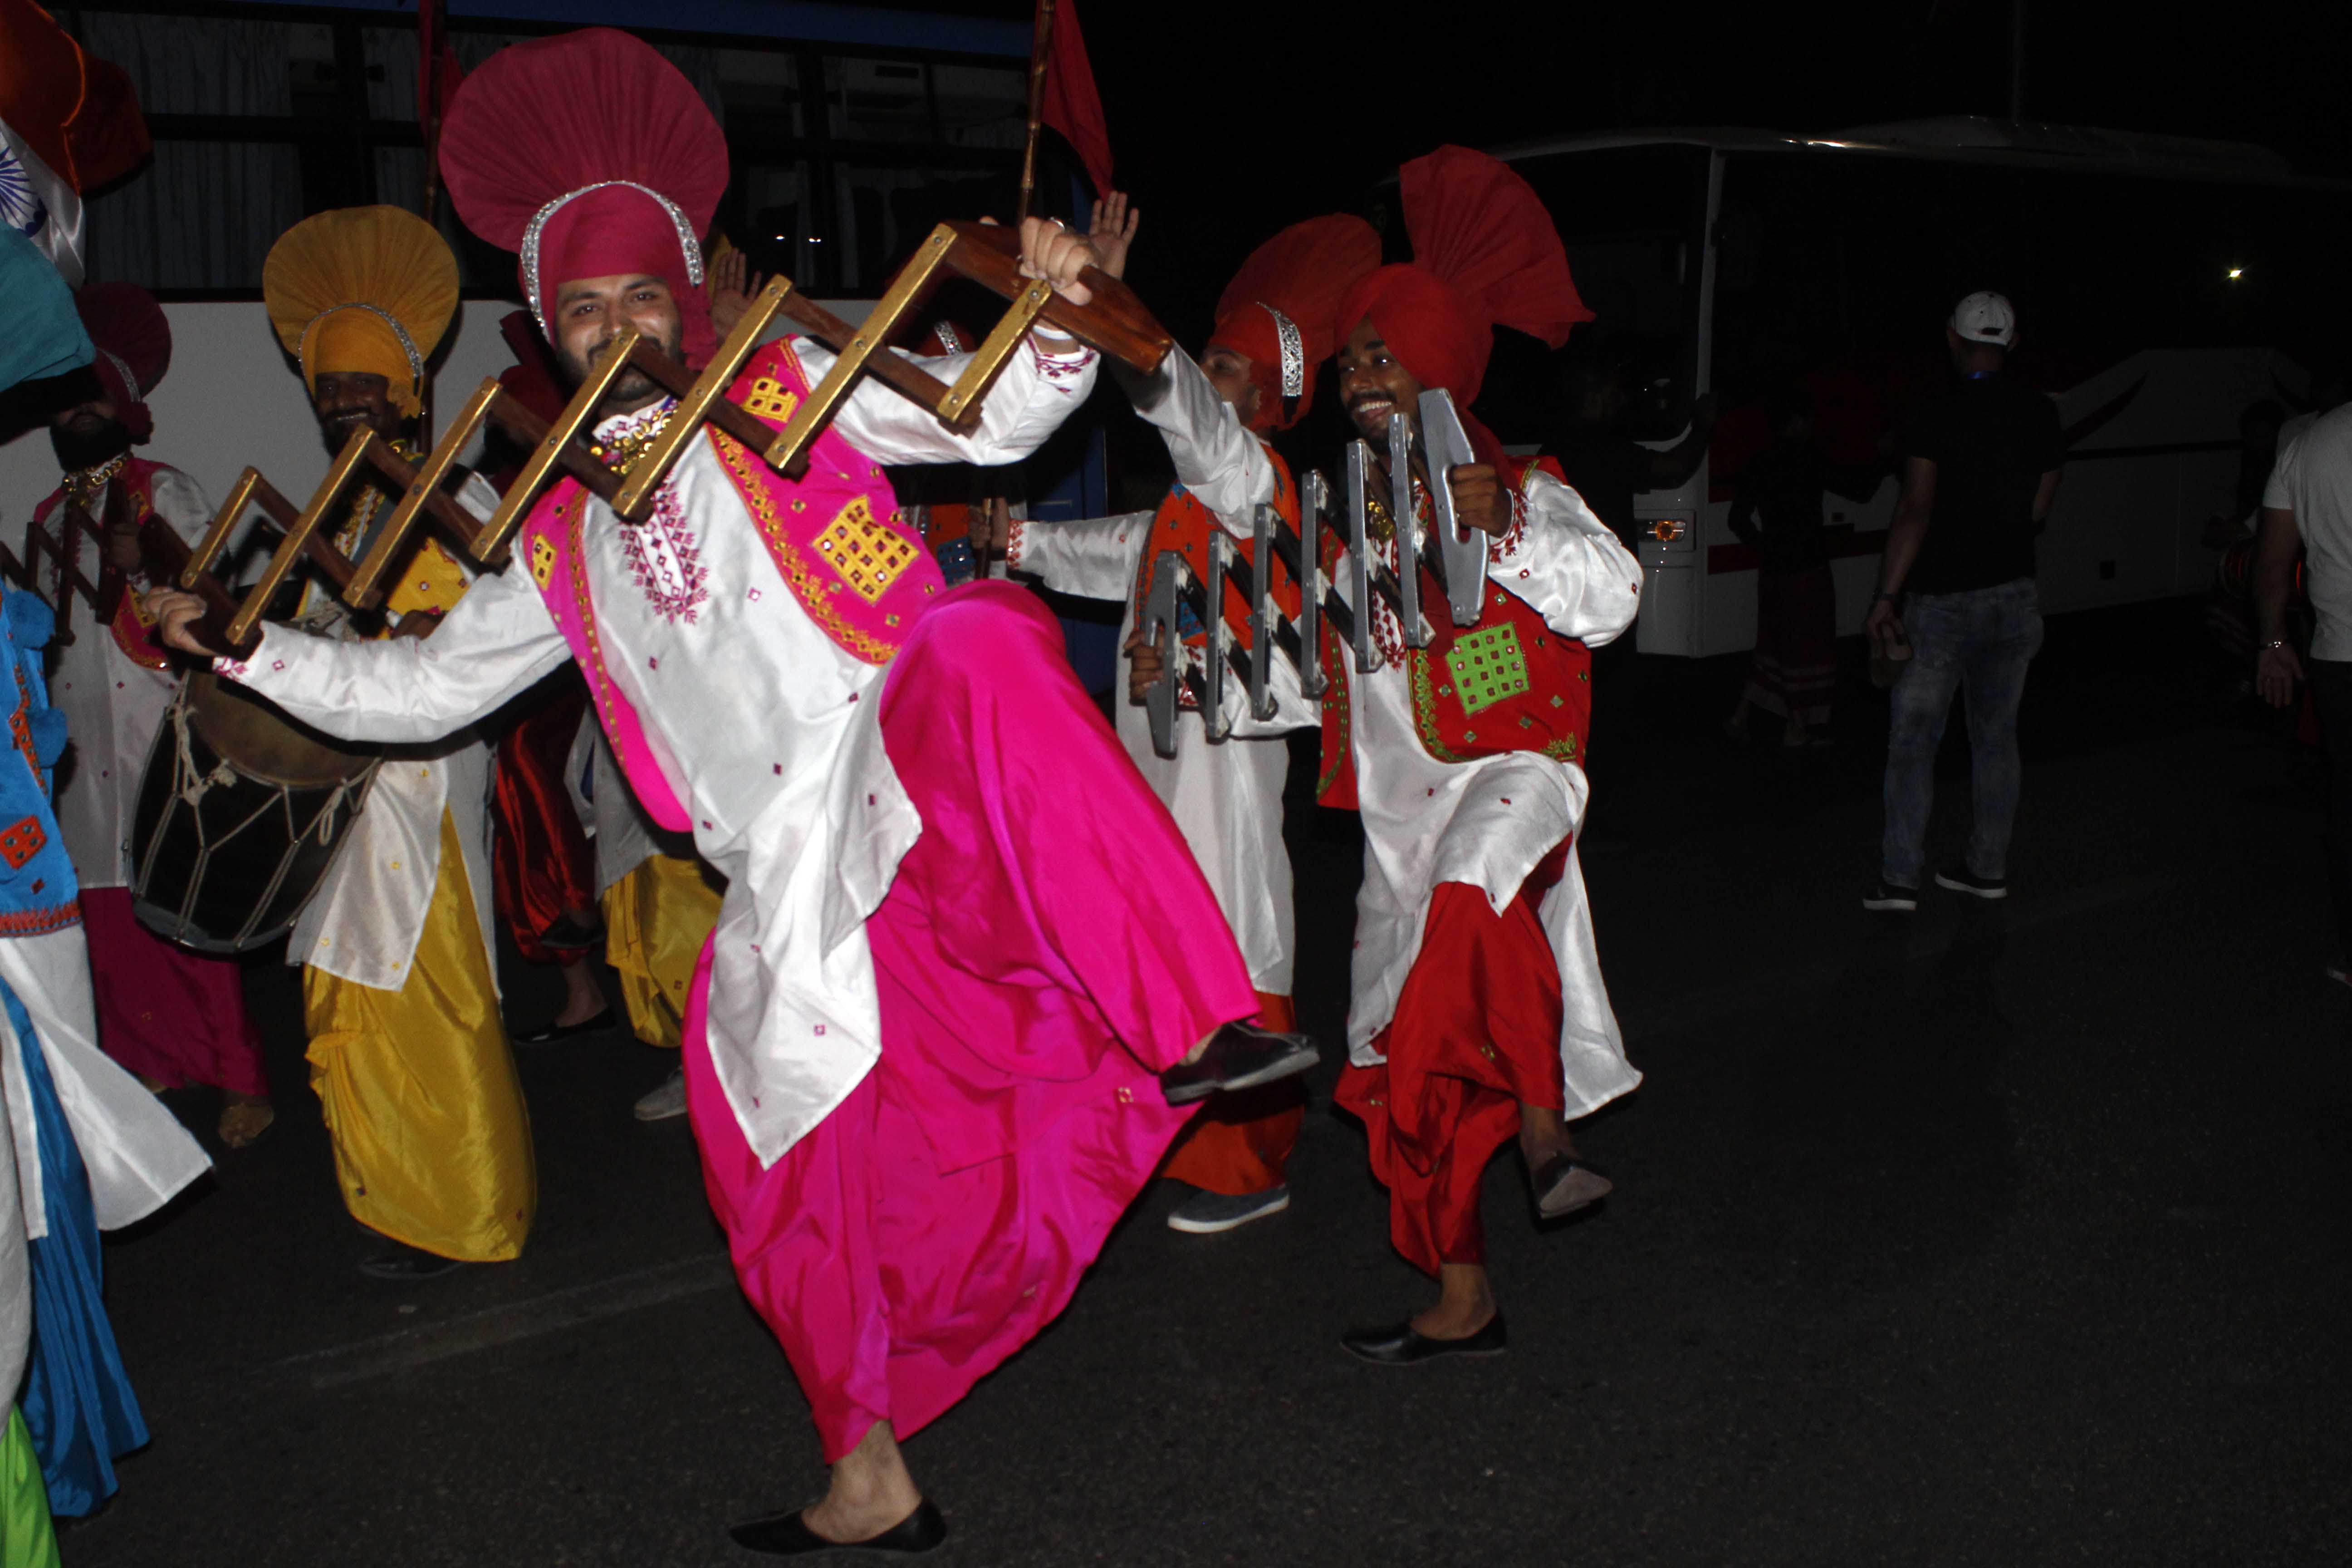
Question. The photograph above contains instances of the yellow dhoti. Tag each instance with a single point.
(418, 1087)
(655, 920)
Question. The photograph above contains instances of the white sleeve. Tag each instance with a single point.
(496, 643)
(1566, 564)
(1037, 391)
(2278, 490)
(1094, 559)
(1216, 458)
(180, 502)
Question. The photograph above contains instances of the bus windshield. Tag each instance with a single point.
(1633, 219)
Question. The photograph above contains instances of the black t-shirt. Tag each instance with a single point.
(1777, 508)
(1991, 440)
(1605, 468)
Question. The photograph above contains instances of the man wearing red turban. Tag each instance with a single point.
(172, 1017)
(1256, 377)
(1478, 1012)
(964, 959)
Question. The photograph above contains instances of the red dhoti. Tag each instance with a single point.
(1047, 947)
(1476, 1035)
(540, 865)
(1240, 1143)
(164, 1013)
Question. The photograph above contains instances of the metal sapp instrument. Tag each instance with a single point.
(1453, 555)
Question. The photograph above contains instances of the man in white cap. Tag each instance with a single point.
(1980, 471)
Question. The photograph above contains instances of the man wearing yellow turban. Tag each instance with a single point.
(408, 1053)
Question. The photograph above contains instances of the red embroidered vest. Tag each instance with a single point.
(837, 536)
(1185, 525)
(133, 628)
(1509, 684)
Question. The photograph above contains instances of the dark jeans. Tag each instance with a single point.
(1979, 642)
(2331, 693)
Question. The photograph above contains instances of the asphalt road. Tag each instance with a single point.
(2007, 1233)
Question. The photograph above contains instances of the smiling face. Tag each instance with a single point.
(589, 313)
(1374, 383)
(344, 400)
(1228, 370)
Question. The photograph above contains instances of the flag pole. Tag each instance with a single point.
(1040, 42)
(432, 26)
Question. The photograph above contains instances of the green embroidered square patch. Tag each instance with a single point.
(1487, 667)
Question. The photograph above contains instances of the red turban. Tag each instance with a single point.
(590, 156)
(133, 339)
(1279, 307)
(1485, 255)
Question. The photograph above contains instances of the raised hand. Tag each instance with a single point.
(1052, 252)
(730, 285)
(1113, 231)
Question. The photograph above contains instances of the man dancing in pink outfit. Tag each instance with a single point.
(965, 959)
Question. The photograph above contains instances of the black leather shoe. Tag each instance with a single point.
(1566, 1185)
(408, 1264)
(1399, 1346)
(1240, 1055)
(787, 1535)
(553, 1034)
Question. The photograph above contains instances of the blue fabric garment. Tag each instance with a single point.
(38, 892)
(40, 332)
(1979, 642)
(77, 1400)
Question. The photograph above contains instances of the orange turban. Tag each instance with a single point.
(367, 290)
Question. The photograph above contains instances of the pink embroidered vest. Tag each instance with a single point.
(857, 566)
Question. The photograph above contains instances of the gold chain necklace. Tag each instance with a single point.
(83, 484)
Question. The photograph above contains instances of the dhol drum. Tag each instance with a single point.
(240, 814)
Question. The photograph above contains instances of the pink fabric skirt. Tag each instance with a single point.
(163, 1011)
(1048, 946)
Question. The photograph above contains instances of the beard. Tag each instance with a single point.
(633, 388)
(87, 440)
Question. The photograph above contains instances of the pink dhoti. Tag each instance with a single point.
(164, 1013)
(1047, 948)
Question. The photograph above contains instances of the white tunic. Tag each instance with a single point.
(767, 731)
(1488, 822)
(1227, 797)
(113, 704)
(368, 915)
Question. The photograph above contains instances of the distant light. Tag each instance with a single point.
(783, 237)
(2236, 273)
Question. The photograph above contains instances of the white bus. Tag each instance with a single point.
(2163, 286)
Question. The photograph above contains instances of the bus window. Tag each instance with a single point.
(1632, 218)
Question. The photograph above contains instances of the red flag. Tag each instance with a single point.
(1070, 104)
(438, 73)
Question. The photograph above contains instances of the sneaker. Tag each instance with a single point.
(2340, 972)
(665, 1101)
(1960, 879)
(1240, 1055)
(1206, 1213)
(1886, 897)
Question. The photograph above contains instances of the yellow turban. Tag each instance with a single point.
(369, 290)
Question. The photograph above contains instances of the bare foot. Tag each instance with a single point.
(582, 998)
(1466, 1305)
(244, 1117)
(871, 1490)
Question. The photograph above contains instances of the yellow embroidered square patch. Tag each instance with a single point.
(1488, 665)
(770, 399)
(867, 555)
(543, 560)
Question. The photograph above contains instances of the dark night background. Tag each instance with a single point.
(1229, 118)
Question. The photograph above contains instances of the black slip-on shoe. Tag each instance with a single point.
(1401, 1346)
(553, 1034)
(1566, 1185)
(1240, 1055)
(1886, 897)
(1960, 879)
(788, 1535)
